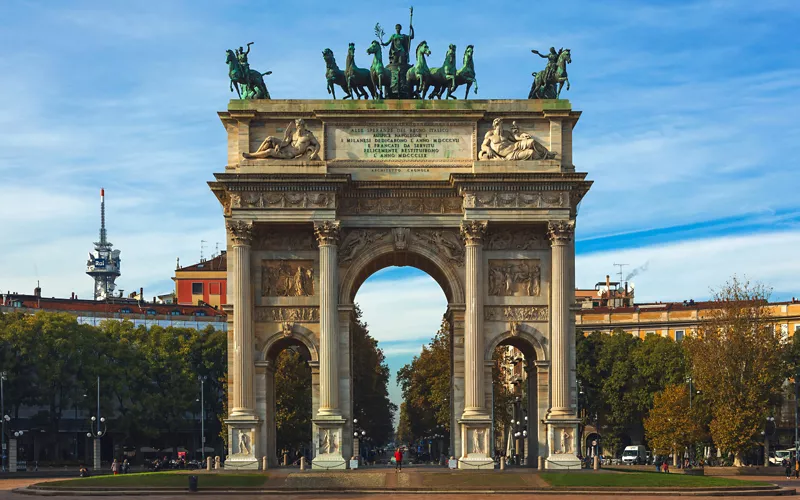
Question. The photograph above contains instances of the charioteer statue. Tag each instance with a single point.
(399, 47)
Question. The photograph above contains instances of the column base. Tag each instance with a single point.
(243, 452)
(328, 439)
(561, 445)
(96, 463)
(476, 452)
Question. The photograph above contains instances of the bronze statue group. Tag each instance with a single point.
(399, 79)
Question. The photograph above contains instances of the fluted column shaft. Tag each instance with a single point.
(243, 395)
(560, 237)
(473, 232)
(328, 235)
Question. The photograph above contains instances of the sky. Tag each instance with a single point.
(689, 131)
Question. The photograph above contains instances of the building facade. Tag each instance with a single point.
(205, 282)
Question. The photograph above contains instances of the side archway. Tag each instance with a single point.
(526, 338)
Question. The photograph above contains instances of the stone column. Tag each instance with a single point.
(328, 236)
(243, 404)
(474, 407)
(561, 298)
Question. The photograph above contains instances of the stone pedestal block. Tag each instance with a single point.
(328, 441)
(242, 444)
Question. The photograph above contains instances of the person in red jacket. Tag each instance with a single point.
(398, 459)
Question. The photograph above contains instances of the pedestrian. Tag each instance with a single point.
(125, 466)
(788, 468)
(657, 461)
(115, 467)
(398, 459)
(666, 466)
(796, 469)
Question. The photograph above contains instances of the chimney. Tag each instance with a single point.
(141, 294)
(608, 285)
(37, 292)
(626, 288)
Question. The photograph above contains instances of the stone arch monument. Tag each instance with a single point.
(481, 195)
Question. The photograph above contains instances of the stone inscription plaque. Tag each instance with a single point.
(406, 141)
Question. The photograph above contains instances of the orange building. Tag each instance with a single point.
(203, 282)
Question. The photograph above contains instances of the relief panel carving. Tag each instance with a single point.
(275, 238)
(357, 240)
(516, 239)
(515, 278)
(287, 278)
(444, 241)
(292, 314)
(515, 313)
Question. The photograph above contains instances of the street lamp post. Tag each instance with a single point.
(767, 433)
(97, 433)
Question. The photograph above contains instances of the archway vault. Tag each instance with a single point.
(526, 338)
(381, 256)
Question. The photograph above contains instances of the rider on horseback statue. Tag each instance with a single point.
(241, 56)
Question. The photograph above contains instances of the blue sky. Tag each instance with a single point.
(690, 131)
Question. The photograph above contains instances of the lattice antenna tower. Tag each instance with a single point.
(104, 263)
(621, 272)
(202, 248)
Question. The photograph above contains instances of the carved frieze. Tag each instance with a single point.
(443, 241)
(356, 240)
(287, 239)
(500, 144)
(287, 314)
(519, 199)
(400, 206)
(515, 278)
(277, 199)
(287, 278)
(515, 313)
(515, 239)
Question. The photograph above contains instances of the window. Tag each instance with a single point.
(679, 335)
(125, 310)
(16, 303)
(213, 288)
(650, 332)
(197, 289)
(175, 312)
(784, 332)
(797, 329)
(199, 313)
(151, 312)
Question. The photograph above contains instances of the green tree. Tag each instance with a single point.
(371, 404)
(425, 383)
(503, 397)
(738, 361)
(292, 400)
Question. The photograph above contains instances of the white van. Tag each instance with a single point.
(777, 456)
(634, 455)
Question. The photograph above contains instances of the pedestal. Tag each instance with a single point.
(561, 435)
(96, 454)
(475, 438)
(242, 444)
(328, 434)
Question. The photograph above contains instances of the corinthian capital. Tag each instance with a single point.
(241, 231)
(327, 232)
(473, 231)
(560, 232)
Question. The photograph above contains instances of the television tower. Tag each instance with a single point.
(103, 264)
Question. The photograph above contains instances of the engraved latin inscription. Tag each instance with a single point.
(400, 141)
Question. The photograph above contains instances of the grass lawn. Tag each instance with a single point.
(475, 480)
(640, 480)
(163, 480)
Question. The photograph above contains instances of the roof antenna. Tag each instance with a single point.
(621, 273)
(202, 247)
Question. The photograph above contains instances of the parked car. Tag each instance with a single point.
(634, 455)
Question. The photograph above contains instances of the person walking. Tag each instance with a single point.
(787, 468)
(666, 466)
(115, 467)
(398, 459)
(796, 469)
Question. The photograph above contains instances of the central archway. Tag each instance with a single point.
(444, 272)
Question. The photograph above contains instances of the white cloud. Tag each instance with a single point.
(690, 269)
(402, 309)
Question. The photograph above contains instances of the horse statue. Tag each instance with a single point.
(551, 89)
(252, 83)
(381, 77)
(335, 76)
(355, 76)
(444, 77)
(418, 76)
(466, 75)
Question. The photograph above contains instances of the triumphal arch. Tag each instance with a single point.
(482, 195)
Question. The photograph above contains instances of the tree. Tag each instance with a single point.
(292, 400)
(737, 361)
(425, 383)
(371, 404)
(503, 396)
(672, 425)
